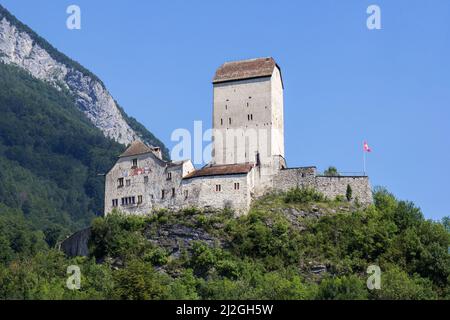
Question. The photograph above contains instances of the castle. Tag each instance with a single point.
(247, 158)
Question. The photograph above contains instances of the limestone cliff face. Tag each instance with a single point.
(20, 48)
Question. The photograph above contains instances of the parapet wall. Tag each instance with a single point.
(330, 186)
(337, 186)
(294, 177)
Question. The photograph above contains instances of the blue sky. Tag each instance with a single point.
(343, 83)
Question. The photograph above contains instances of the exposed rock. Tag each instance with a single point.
(176, 237)
(77, 244)
(19, 48)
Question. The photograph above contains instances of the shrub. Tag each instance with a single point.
(303, 195)
(331, 172)
(349, 193)
(342, 288)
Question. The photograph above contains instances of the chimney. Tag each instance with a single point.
(157, 152)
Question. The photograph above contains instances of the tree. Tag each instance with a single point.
(348, 193)
(342, 288)
(139, 281)
(331, 172)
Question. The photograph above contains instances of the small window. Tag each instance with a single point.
(226, 107)
(236, 186)
(251, 117)
(140, 200)
(128, 182)
(133, 200)
(248, 117)
(115, 203)
(135, 163)
(229, 120)
(120, 182)
(169, 175)
(218, 188)
(221, 122)
(173, 193)
(146, 179)
(163, 194)
(186, 194)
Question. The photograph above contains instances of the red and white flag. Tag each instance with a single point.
(366, 147)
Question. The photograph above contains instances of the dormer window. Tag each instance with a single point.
(134, 163)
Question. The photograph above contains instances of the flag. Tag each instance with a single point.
(366, 147)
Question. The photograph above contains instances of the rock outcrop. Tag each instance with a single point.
(22, 47)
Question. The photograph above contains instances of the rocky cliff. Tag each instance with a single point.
(20, 46)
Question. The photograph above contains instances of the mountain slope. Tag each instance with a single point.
(50, 154)
(20, 46)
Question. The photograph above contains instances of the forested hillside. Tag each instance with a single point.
(290, 246)
(50, 155)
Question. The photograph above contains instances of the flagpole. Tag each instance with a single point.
(364, 158)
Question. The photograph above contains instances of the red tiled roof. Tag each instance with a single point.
(220, 170)
(245, 69)
(136, 148)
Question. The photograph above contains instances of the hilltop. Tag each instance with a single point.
(290, 246)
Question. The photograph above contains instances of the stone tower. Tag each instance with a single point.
(248, 124)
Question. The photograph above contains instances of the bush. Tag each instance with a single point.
(331, 172)
(349, 193)
(342, 288)
(397, 285)
(304, 195)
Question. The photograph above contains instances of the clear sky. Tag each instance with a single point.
(343, 82)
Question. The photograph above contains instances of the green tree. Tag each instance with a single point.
(349, 193)
(331, 172)
(342, 288)
(139, 281)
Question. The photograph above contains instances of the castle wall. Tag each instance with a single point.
(294, 177)
(202, 192)
(334, 186)
(329, 186)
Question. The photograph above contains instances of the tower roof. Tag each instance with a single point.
(136, 148)
(245, 69)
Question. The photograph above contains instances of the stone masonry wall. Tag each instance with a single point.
(296, 177)
(330, 186)
(334, 186)
(202, 192)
